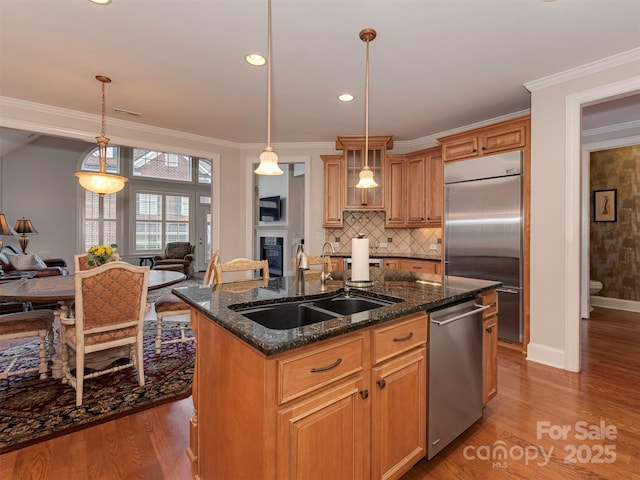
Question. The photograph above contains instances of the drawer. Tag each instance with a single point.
(422, 266)
(399, 337)
(319, 366)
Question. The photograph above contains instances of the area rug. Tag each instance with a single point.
(34, 410)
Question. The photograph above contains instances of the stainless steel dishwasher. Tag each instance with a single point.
(455, 372)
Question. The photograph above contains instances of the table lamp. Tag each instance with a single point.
(5, 228)
(24, 227)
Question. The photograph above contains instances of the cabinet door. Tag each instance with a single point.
(337, 264)
(416, 175)
(394, 190)
(333, 189)
(460, 148)
(363, 198)
(509, 137)
(322, 437)
(490, 358)
(399, 408)
(435, 184)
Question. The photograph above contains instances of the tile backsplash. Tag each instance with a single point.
(404, 241)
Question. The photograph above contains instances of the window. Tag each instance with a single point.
(204, 171)
(161, 165)
(160, 218)
(100, 213)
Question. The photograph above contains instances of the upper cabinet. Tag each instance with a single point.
(509, 135)
(333, 190)
(413, 189)
(353, 148)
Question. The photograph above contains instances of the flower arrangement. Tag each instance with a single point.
(101, 254)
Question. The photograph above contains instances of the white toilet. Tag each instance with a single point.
(594, 288)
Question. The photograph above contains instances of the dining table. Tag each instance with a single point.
(60, 289)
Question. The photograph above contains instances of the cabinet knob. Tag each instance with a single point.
(489, 329)
(364, 394)
(381, 383)
(484, 148)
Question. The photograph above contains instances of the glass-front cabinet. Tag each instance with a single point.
(354, 159)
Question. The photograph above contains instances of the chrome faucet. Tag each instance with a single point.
(325, 276)
(302, 264)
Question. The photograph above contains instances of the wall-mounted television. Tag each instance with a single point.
(270, 209)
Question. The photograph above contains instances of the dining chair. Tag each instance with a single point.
(241, 265)
(171, 306)
(34, 323)
(81, 262)
(110, 305)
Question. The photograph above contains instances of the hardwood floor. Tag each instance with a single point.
(151, 444)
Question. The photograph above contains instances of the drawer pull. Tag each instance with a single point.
(328, 367)
(381, 383)
(489, 329)
(364, 394)
(403, 339)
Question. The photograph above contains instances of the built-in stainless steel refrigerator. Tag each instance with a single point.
(483, 227)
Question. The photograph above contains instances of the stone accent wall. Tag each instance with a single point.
(615, 246)
(404, 241)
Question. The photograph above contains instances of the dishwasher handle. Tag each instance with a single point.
(479, 308)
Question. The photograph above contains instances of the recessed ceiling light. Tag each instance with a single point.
(345, 97)
(101, 2)
(255, 59)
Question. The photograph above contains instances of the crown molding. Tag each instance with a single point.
(622, 58)
(618, 127)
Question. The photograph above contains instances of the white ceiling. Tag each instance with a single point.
(435, 65)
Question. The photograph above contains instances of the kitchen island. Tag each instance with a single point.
(341, 398)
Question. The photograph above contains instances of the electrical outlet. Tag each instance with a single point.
(383, 244)
(336, 245)
(433, 246)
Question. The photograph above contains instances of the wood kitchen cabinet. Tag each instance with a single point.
(399, 397)
(414, 189)
(348, 407)
(337, 264)
(421, 266)
(391, 263)
(354, 159)
(489, 345)
(502, 137)
(333, 190)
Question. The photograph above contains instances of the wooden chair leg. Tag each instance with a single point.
(42, 350)
(159, 334)
(79, 377)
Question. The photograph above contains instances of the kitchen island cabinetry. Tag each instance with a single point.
(489, 345)
(341, 397)
(320, 394)
(501, 137)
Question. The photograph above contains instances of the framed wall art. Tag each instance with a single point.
(605, 205)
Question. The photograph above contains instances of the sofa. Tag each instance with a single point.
(176, 253)
(12, 260)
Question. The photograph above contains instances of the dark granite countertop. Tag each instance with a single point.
(415, 292)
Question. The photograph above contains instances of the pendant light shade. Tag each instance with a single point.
(102, 182)
(268, 158)
(366, 174)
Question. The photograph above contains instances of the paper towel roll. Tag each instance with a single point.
(360, 259)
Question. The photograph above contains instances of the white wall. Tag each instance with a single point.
(555, 208)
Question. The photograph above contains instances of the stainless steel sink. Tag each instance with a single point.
(286, 315)
(350, 305)
(283, 316)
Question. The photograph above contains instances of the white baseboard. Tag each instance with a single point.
(553, 357)
(615, 303)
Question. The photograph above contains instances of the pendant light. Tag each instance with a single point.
(268, 158)
(366, 174)
(102, 182)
